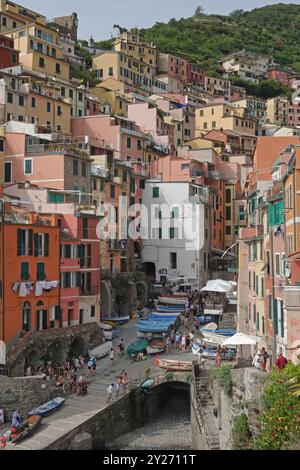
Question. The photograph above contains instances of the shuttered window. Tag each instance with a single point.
(275, 316)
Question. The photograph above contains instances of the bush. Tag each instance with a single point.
(241, 435)
(280, 424)
(223, 376)
(169, 376)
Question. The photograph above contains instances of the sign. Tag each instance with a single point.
(163, 271)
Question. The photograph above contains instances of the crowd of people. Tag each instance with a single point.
(261, 357)
(121, 387)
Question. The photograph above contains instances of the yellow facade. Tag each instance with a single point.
(13, 16)
(115, 98)
(223, 116)
(132, 46)
(277, 110)
(40, 51)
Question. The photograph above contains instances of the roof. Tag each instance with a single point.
(267, 151)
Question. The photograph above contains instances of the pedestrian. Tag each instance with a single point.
(94, 362)
(257, 361)
(29, 371)
(265, 356)
(188, 342)
(122, 347)
(117, 387)
(110, 391)
(76, 364)
(16, 419)
(125, 383)
(178, 340)
(90, 366)
(111, 356)
(183, 343)
(172, 339)
(280, 362)
(2, 442)
(168, 345)
(119, 350)
(218, 357)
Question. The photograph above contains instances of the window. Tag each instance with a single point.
(173, 260)
(83, 169)
(112, 191)
(63, 91)
(228, 196)
(85, 228)
(205, 125)
(10, 98)
(75, 167)
(7, 172)
(228, 230)
(13, 83)
(24, 242)
(41, 244)
(124, 176)
(110, 71)
(71, 94)
(33, 102)
(25, 271)
(57, 68)
(59, 112)
(206, 234)
(201, 112)
(128, 142)
(262, 293)
(28, 166)
(185, 166)
(48, 107)
(80, 96)
(14, 59)
(228, 213)
(41, 62)
(1, 145)
(4, 21)
(277, 264)
(142, 184)
(268, 267)
(139, 144)
(155, 193)
(174, 233)
(93, 311)
(213, 124)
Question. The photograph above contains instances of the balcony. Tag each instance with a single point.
(98, 171)
(46, 148)
(292, 297)
(89, 291)
(113, 245)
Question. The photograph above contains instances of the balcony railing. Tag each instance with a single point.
(98, 171)
(55, 148)
(89, 291)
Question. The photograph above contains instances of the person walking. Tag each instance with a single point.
(168, 345)
(257, 361)
(265, 356)
(178, 340)
(122, 347)
(94, 362)
(183, 343)
(218, 357)
(280, 362)
(90, 366)
(118, 387)
(111, 356)
(110, 391)
(172, 339)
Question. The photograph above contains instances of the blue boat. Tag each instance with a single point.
(170, 308)
(123, 319)
(147, 384)
(222, 332)
(48, 407)
(167, 318)
(152, 327)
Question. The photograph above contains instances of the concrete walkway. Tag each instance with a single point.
(77, 410)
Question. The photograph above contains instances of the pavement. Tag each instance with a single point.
(76, 410)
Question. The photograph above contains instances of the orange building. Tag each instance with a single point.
(29, 254)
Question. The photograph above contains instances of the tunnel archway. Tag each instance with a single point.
(77, 347)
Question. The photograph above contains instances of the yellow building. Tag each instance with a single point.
(40, 51)
(111, 94)
(13, 16)
(132, 62)
(277, 110)
(226, 117)
(30, 100)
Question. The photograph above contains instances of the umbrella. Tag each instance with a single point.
(240, 339)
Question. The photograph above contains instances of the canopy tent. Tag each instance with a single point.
(218, 285)
(240, 339)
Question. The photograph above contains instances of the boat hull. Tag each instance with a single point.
(47, 408)
(172, 300)
(170, 365)
(33, 422)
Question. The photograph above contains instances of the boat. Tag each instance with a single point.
(48, 407)
(108, 335)
(153, 328)
(147, 384)
(167, 311)
(159, 317)
(156, 346)
(137, 347)
(222, 332)
(28, 427)
(214, 336)
(171, 365)
(113, 320)
(210, 352)
(101, 351)
(172, 300)
(105, 326)
(143, 334)
(177, 309)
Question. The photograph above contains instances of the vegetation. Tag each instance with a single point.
(241, 435)
(223, 375)
(169, 376)
(264, 89)
(280, 419)
(273, 29)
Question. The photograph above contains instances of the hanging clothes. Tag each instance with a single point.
(39, 288)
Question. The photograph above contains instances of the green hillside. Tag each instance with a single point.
(273, 29)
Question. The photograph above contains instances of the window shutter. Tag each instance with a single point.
(19, 242)
(78, 279)
(30, 251)
(271, 215)
(275, 311)
(46, 244)
(36, 244)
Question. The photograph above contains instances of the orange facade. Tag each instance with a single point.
(30, 274)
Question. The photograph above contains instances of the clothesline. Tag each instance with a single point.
(26, 287)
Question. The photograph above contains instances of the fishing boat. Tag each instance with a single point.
(170, 309)
(143, 334)
(156, 347)
(28, 427)
(159, 317)
(222, 332)
(150, 327)
(147, 384)
(101, 351)
(172, 300)
(48, 407)
(210, 352)
(162, 311)
(214, 336)
(138, 346)
(113, 320)
(105, 326)
(171, 365)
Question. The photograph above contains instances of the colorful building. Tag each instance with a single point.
(9, 56)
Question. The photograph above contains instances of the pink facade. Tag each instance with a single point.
(195, 74)
(149, 120)
(280, 75)
(179, 169)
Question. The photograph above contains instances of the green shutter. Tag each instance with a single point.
(24, 271)
(36, 244)
(41, 271)
(270, 307)
(262, 288)
(30, 250)
(282, 319)
(263, 325)
(257, 321)
(254, 314)
(271, 215)
(46, 244)
(275, 316)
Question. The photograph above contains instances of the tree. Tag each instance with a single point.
(236, 13)
(199, 11)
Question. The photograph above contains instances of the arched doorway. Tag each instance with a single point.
(106, 299)
(150, 270)
(41, 317)
(26, 316)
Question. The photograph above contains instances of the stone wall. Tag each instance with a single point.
(54, 344)
(23, 394)
(247, 388)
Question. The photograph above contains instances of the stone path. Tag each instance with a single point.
(77, 410)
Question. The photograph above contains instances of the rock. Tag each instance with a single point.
(82, 441)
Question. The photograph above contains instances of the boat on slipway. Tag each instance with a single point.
(28, 427)
(101, 351)
(47, 408)
(178, 366)
(137, 347)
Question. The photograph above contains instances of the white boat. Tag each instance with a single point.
(108, 335)
(167, 314)
(172, 300)
(105, 326)
(101, 351)
(214, 337)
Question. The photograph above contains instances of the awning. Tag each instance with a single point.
(219, 285)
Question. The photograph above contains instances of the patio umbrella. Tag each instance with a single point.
(240, 339)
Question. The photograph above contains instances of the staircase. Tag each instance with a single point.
(205, 407)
